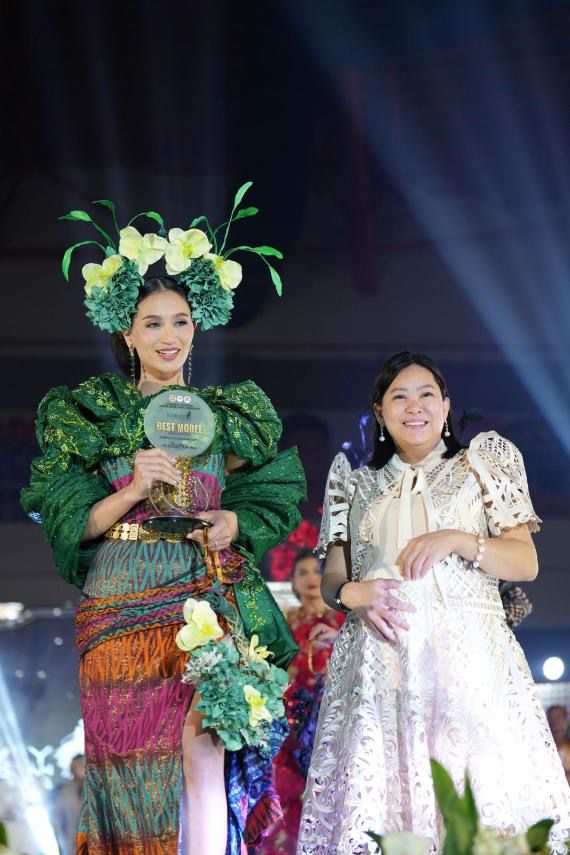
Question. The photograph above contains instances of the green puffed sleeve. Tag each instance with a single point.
(250, 426)
(266, 500)
(63, 485)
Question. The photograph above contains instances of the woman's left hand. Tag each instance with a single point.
(424, 551)
(223, 529)
(322, 634)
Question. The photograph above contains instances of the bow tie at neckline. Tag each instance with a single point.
(433, 457)
(412, 481)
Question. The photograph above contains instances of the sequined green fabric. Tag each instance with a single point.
(103, 417)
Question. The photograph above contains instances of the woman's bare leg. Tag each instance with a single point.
(205, 789)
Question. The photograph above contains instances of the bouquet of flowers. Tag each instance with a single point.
(463, 833)
(241, 693)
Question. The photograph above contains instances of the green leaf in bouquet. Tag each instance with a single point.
(444, 788)
(468, 801)
(537, 835)
(3, 835)
(458, 835)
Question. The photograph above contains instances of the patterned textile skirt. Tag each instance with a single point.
(455, 687)
(134, 708)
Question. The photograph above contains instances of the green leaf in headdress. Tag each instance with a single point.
(237, 199)
(84, 217)
(258, 250)
(267, 250)
(106, 203)
(276, 279)
(246, 212)
(241, 193)
(66, 260)
(152, 215)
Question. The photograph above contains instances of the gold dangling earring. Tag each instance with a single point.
(190, 364)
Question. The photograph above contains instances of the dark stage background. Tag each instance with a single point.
(410, 158)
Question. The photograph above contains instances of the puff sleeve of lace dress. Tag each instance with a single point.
(64, 484)
(336, 504)
(499, 467)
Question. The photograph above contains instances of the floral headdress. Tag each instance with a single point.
(211, 277)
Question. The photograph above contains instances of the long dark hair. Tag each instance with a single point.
(383, 451)
(118, 343)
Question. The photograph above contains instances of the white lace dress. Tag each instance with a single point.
(456, 685)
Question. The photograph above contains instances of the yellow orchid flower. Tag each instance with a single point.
(183, 246)
(143, 249)
(258, 712)
(229, 271)
(257, 653)
(201, 625)
(98, 275)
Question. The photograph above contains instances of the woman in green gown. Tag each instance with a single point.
(158, 780)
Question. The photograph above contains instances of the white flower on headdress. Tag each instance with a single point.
(229, 271)
(98, 275)
(144, 250)
(183, 247)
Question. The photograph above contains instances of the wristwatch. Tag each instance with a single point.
(338, 602)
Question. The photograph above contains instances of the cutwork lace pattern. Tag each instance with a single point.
(456, 687)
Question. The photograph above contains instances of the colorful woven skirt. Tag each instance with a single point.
(134, 707)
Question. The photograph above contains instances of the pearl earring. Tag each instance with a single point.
(381, 436)
(446, 432)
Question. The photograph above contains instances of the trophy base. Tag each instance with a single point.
(174, 525)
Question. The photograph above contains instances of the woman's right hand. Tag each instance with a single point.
(377, 605)
(152, 464)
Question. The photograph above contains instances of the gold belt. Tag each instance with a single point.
(135, 531)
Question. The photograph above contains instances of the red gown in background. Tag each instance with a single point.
(306, 673)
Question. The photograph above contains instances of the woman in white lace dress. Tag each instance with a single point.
(425, 665)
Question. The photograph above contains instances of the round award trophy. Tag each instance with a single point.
(183, 425)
